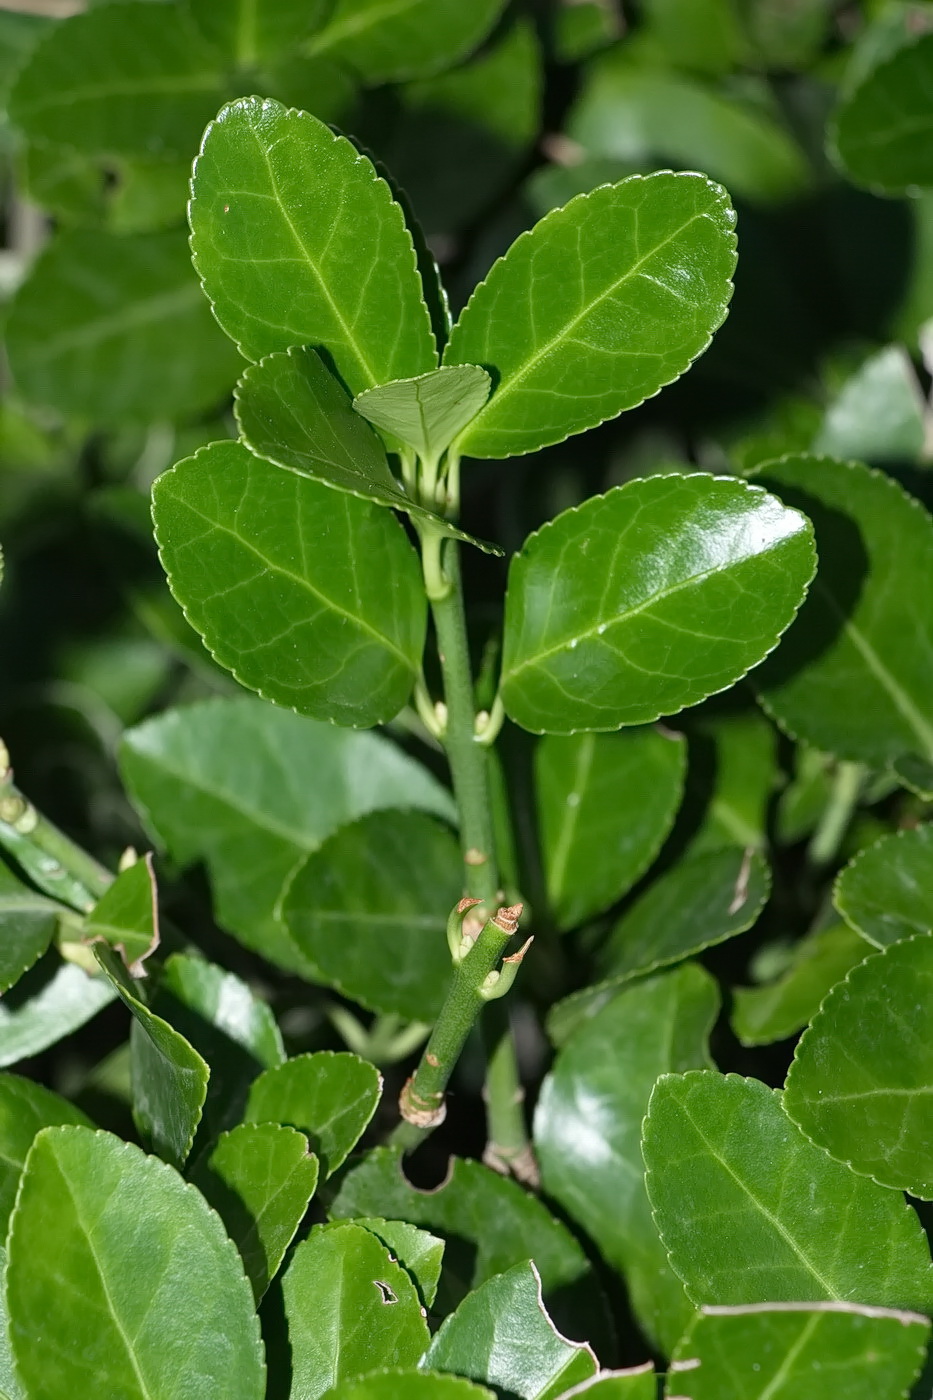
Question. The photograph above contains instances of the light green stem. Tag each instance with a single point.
(837, 814)
(56, 863)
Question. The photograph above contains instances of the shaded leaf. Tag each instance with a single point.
(28, 922)
(882, 129)
(427, 413)
(587, 1129)
(605, 804)
(25, 1108)
(327, 1096)
(885, 892)
(127, 917)
(312, 598)
(732, 770)
(51, 1001)
(299, 242)
(254, 31)
(652, 254)
(719, 1154)
(879, 413)
(761, 1015)
(387, 41)
(419, 1252)
(682, 584)
(501, 1334)
(154, 1302)
(259, 1178)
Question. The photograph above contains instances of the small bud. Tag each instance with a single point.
(507, 917)
(458, 940)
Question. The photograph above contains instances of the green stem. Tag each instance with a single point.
(56, 863)
(837, 814)
(507, 1148)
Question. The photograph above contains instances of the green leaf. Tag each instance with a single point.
(879, 413)
(427, 413)
(861, 1081)
(703, 36)
(251, 790)
(915, 774)
(605, 804)
(731, 775)
(169, 1076)
(720, 1153)
(408, 1385)
(105, 326)
(294, 412)
(885, 893)
(25, 1108)
(28, 922)
(350, 1309)
(147, 1293)
(855, 675)
(882, 129)
(254, 31)
(681, 585)
(10, 1388)
(121, 80)
(299, 242)
(312, 598)
(784, 1352)
(126, 918)
(259, 1178)
(51, 1001)
(390, 40)
(700, 901)
(652, 254)
(761, 1015)
(501, 1334)
(329, 1097)
(587, 1129)
(368, 912)
(420, 1253)
(638, 1383)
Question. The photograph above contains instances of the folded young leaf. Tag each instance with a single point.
(427, 413)
(28, 922)
(386, 42)
(298, 242)
(596, 308)
(861, 1084)
(719, 1153)
(126, 918)
(25, 1108)
(886, 891)
(881, 133)
(329, 1097)
(155, 1300)
(313, 599)
(679, 586)
(762, 1015)
(501, 1334)
(420, 1253)
(51, 1001)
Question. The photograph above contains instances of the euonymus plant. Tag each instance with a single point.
(514, 975)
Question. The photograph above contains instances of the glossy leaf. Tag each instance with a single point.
(682, 584)
(262, 788)
(299, 242)
(10, 1387)
(761, 1015)
(783, 1352)
(123, 80)
(882, 127)
(254, 31)
(501, 1334)
(605, 804)
(312, 598)
(855, 675)
(861, 1082)
(408, 1385)
(259, 1178)
(885, 892)
(700, 901)
(720, 1154)
(329, 1097)
(368, 911)
(384, 41)
(28, 922)
(147, 1293)
(51, 1001)
(427, 413)
(350, 1309)
(25, 1108)
(105, 326)
(169, 1076)
(420, 1253)
(126, 918)
(879, 414)
(731, 775)
(587, 1129)
(652, 255)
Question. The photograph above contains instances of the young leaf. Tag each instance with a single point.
(408, 1385)
(350, 1309)
(761, 1015)
(681, 585)
(881, 133)
(719, 1153)
(312, 598)
(27, 926)
(252, 790)
(427, 413)
(369, 912)
(327, 1096)
(51, 1001)
(700, 901)
(25, 1108)
(420, 1253)
(855, 675)
(384, 41)
(785, 1351)
(605, 804)
(147, 1293)
(596, 308)
(126, 918)
(587, 1129)
(298, 242)
(169, 1076)
(257, 31)
(886, 891)
(259, 1178)
(501, 1334)
(861, 1082)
